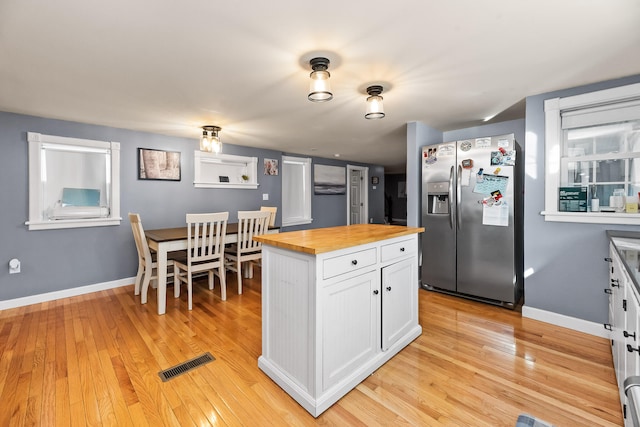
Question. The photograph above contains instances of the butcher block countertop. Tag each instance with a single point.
(320, 240)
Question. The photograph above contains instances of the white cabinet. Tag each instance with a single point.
(350, 326)
(624, 307)
(329, 320)
(399, 304)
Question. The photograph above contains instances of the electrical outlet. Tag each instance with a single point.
(265, 196)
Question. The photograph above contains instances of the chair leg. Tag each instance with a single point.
(190, 290)
(145, 285)
(136, 288)
(239, 271)
(222, 272)
(176, 282)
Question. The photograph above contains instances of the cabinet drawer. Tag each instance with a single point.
(335, 266)
(398, 250)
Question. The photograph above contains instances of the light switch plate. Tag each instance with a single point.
(265, 196)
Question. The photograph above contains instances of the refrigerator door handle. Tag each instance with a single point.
(451, 197)
(458, 197)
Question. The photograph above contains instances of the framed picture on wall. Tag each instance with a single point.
(270, 166)
(329, 180)
(158, 165)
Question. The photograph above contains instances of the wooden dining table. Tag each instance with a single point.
(165, 240)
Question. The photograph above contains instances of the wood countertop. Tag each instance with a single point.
(320, 240)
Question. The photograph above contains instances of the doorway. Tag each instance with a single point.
(357, 194)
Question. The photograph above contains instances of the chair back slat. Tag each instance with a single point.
(206, 235)
(250, 225)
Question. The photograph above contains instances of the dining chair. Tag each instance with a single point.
(250, 224)
(147, 264)
(205, 252)
(272, 217)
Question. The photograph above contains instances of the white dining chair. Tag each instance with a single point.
(247, 250)
(205, 252)
(273, 210)
(147, 265)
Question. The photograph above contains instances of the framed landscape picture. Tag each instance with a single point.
(158, 164)
(329, 180)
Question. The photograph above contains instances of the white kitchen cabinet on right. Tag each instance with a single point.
(624, 306)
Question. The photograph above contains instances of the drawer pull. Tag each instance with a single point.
(401, 249)
(354, 262)
(375, 292)
(615, 283)
(627, 335)
(388, 288)
(608, 327)
(608, 291)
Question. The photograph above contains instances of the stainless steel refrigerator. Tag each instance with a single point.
(472, 214)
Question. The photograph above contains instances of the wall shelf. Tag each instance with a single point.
(210, 168)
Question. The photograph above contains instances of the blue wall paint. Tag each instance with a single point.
(569, 273)
(54, 260)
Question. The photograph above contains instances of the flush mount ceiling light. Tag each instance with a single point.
(319, 89)
(210, 140)
(375, 109)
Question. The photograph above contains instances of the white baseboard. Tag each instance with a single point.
(574, 323)
(52, 296)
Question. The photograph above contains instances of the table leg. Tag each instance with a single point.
(162, 279)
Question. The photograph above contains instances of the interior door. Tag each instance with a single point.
(355, 196)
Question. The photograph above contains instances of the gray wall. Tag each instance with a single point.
(569, 273)
(54, 260)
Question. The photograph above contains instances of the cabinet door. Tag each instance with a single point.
(350, 326)
(399, 300)
(618, 318)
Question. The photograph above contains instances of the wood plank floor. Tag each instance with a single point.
(94, 360)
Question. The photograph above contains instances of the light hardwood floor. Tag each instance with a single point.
(94, 360)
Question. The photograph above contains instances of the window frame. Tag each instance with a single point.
(36, 222)
(287, 219)
(553, 109)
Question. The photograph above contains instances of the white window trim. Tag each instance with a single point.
(35, 221)
(553, 153)
(306, 219)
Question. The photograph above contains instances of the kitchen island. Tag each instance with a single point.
(337, 303)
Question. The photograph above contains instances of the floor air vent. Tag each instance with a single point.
(187, 366)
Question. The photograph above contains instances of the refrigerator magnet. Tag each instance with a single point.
(467, 163)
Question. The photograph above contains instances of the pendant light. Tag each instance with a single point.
(375, 109)
(210, 140)
(319, 89)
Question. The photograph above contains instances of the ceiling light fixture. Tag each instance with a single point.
(375, 109)
(320, 89)
(210, 140)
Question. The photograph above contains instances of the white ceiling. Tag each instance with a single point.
(170, 67)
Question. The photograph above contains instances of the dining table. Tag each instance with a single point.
(165, 240)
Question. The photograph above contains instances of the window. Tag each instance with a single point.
(72, 182)
(296, 191)
(593, 144)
